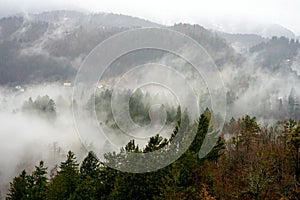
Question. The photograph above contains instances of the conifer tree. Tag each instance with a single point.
(18, 188)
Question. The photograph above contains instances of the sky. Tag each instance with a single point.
(168, 12)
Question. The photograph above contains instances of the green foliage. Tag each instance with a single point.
(65, 182)
(43, 106)
(131, 147)
(32, 186)
(89, 165)
(138, 107)
(18, 188)
(155, 143)
(255, 166)
(94, 180)
(38, 186)
(87, 188)
(138, 110)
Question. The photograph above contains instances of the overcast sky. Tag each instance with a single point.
(283, 12)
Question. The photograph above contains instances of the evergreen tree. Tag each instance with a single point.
(89, 165)
(65, 182)
(18, 188)
(155, 143)
(38, 189)
(87, 188)
(291, 103)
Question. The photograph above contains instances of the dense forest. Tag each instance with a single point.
(257, 162)
(256, 155)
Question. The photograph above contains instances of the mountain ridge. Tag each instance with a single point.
(50, 46)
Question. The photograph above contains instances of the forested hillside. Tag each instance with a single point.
(67, 136)
(50, 46)
(255, 163)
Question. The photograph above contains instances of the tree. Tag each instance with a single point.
(89, 166)
(88, 188)
(155, 143)
(292, 103)
(65, 182)
(18, 188)
(38, 190)
(42, 105)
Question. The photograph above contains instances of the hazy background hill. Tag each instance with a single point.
(50, 46)
(255, 46)
(237, 26)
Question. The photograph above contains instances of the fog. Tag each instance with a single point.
(27, 138)
(222, 14)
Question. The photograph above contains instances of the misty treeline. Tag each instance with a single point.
(277, 52)
(254, 162)
(282, 107)
(45, 47)
(42, 106)
(139, 105)
(140, 102)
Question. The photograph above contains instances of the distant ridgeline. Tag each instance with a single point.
(51, 46)
(277, 52)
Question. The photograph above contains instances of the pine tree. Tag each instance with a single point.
(65, 182)
(155, 143)
(291, 103)
(89, 165)
(38, 190)
(18, 188)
